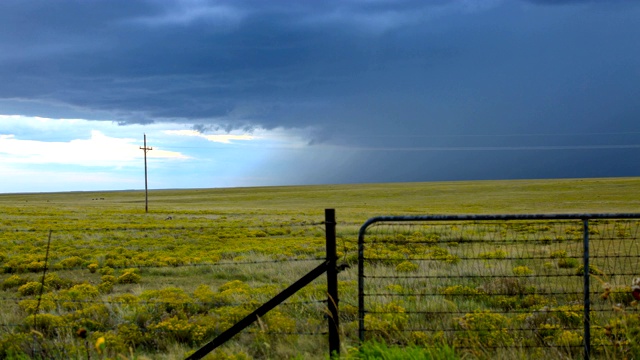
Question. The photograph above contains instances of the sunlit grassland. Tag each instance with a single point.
(164, 286)
(354, 202)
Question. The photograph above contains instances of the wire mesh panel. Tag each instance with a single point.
(500, 285)
(614, 268)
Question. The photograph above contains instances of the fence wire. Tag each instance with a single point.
(95, 280)
(501, 284)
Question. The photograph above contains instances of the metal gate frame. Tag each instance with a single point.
(431, 218)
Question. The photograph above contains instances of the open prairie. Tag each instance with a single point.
(352, 202)
(119, 282)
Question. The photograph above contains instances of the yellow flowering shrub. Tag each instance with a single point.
(437, 253)
(109, 344)
(92, 316)
(452, 291)
(129, 276)
(53, 281)
(70, 263)
(278, 322)
(180, 330)
(30, 306)
(47, 324)
(568, 338)
(424, 339)
(387, 320)
(498, 254)
(31, 288)
(522, 271)
(13, 281)
(406, 266)
(106, 270)
(483, 328)
(132, 335)
(170, 301)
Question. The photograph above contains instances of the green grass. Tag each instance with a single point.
(372, 350)
(186, 295)
(358, 202)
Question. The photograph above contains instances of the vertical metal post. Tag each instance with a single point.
(332, 282)
(587, 303)
(361, 282)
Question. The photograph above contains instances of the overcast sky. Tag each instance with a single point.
(248, 93)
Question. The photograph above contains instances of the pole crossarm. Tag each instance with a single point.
(145, 147)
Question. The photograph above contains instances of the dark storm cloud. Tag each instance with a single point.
(232, 62)
(360, 73)
(162, 60)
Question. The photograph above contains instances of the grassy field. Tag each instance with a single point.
(359, 202)
(158, 285)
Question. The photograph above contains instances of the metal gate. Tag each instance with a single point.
(514, 285)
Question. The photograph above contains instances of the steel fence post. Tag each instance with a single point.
(587, 304)
(361, 283)
(332, 282)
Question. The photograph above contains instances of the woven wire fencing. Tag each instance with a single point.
(506, 287)
(152, 289)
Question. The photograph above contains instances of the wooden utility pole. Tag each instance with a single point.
(146, 188)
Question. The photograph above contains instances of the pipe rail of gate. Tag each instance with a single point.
(584, 218)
